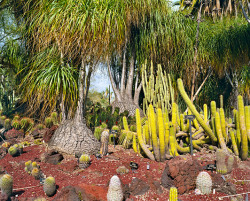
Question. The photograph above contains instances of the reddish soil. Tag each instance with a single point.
(95, 178)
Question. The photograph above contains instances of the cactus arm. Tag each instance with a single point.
(194, 111)
(125, 123)
(213, 108)
(182, 126)
(172, 141)
(247, 118)
(139, 135)
(134, 144)
(205, 112)
(219, 132)
(161, 134)
(223, 124)
(244, 142)
(153, 133)
(235, 148)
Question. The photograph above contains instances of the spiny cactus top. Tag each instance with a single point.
(84, 158)
(13, 151)
(204, 182)
(6, 184)
(115, 190)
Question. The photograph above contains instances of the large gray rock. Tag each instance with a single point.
(138, 187)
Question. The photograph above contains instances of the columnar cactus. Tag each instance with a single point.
(49, 186)
(172, 141)
(104, 142)
(194, 111)
(13, 151)
(36, 173)
(161, 134)
(173, 194)
(219, 132)
(115, 189)
(205, 112)
(223, 124)
(84, 161)
(221, 161)
(204, 183)
(234, 144)
(244, 142)
(6, 184)
(230, 163)
(139, 135)
(247, 118)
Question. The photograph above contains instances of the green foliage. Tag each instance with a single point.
(48, 122)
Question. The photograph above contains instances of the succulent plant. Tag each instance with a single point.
(13, 151)
(16, 117)
(20, 148)
(6, 144)
(35, 173)
(84, 161)
(6, 184)
(115, 189)
(230, 163)
(204, 183)
(173, 194)
(16, 124)
(7, 124)
(28, 166)
(97, 133)
(221, 161)
(37, 141)
(40, 126)
(49, 186)
(54, 117)
(48, 122)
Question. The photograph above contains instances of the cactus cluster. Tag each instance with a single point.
(49, 186)
(115, 189)
(33, 169)
(6, 184)
(204, 183)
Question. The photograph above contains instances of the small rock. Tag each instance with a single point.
(122, 170)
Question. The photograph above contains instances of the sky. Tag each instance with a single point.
(100, 80)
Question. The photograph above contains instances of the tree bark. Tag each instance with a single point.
(73, 136)
(196, 51)
(130, 78)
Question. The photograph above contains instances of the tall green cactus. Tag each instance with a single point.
(213, 108)
(219, 132)
(244, 141)
(237, 125)
(223, 124)
(161, 134)
(247, 118)
(172, 141)
(234, 144)
(154, 137)
(205, 112)
(139, 134)
(194, 111)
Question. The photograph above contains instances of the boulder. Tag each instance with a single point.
(52, 157)
(181, 173)
(72, 193)
(138, 187)
(49, 133)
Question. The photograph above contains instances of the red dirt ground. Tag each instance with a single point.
(95, 178)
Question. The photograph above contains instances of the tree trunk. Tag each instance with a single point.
(73, 136)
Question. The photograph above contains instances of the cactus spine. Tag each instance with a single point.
(139, 135)
(194, 111)
(173, 194)
(49, 186)
(115, 189)
(244, 142)
(204, 183)
(6, 184)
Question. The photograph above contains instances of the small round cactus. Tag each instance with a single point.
(48, 122)
(173, 194)
(13, 151)
(36, 173)
(6, 144)
(115, 189)
(7, 124)
(84, 161)
(6, 184)
(28, 166)
(20, 148)
(204, 183)
(16, 124)
(49, 186)
(16, 117)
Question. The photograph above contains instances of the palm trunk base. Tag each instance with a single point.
(130, 106)
(74, 137)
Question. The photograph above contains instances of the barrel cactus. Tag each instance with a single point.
(6, 184)
(204, 183)
(115, 189)
(49, 186)
(13, 151)
(7, 124)
(84, 161)
(173, 194)
(28, 166)
(36, 173)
